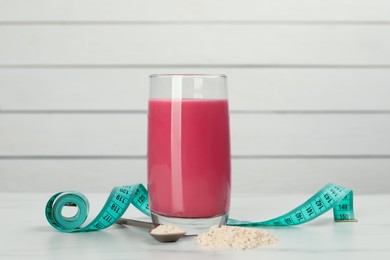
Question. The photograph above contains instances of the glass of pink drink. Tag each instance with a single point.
(189, 151)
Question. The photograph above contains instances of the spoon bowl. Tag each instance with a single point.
(171, 237)
(163, 238)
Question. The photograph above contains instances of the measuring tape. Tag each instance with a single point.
(117, 203)
(330, 196)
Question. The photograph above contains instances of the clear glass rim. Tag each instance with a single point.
(188, 75)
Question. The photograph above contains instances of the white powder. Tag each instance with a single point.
(166, 229)
(228, 237)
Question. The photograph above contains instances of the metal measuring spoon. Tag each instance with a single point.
(170, 237)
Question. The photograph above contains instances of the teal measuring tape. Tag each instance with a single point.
(117, 203)
(330, 196)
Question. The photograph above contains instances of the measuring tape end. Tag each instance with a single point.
(346, 220)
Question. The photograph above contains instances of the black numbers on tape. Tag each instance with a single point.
(299, 216)
(309, 211)
(141, 199)
(98, 225)
(334, 193)
(338, 188)
(343, 206)
(343, 216)
(124, 191)
(115, 208)
(319, 204)
(288, 220)
(108, 218)
(327, 197)
(120, 198)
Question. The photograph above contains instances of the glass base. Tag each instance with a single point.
(193, 226)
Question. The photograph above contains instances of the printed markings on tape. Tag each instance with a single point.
(331, 196)
(117, 203)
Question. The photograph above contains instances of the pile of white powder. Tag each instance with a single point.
(228, 237)
(166, 229)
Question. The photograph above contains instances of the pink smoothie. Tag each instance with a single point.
(189, 157)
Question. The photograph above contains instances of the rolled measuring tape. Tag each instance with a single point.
(331, 196)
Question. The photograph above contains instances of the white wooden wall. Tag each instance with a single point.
(309, 85)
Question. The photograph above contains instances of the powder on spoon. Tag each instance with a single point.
(166, 229)
(228, 237)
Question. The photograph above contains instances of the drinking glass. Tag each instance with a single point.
(189, 150)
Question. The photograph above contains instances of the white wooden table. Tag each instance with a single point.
(25, 233)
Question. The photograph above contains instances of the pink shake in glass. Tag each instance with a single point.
(188, 158)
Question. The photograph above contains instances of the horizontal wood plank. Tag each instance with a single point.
(248, 176)
(251, 134)
(195, 44)
(249, 89)
(194, 10)
(326, 60)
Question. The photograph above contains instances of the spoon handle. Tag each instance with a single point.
(136, 223)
